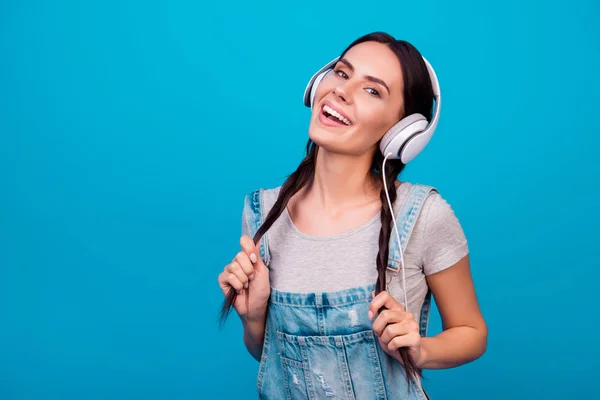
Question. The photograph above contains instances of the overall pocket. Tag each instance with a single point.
(294, 379)
(331, 367)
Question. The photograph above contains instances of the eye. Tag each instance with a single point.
(373, 92)
(341, 73)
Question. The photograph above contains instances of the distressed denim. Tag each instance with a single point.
(322, 345)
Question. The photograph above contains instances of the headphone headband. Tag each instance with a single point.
(437, 94)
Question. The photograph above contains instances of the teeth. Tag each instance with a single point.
(336, 114)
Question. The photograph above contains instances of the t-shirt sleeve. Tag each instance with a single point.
(444, 241)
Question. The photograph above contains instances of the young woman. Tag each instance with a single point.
(332, 284)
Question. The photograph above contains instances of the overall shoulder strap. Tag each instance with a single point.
(254, 210)
(405, 220)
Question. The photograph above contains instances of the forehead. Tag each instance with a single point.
(378, 60)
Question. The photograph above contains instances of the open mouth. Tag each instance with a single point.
(332, 115)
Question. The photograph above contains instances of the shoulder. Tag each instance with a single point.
(439, 213)
(257, 203)
(270, 196)
(266, 197)
(434, 205)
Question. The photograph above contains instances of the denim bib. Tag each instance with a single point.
(322, 345)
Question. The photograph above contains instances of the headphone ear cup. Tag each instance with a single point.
(396, 138)
(416, 144)
(315, 85)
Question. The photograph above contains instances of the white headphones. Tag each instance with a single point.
(408, 137)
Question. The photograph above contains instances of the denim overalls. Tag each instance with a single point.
(322, 345)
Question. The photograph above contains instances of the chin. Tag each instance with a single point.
(322, 137)
(337, 139)
(331, 143)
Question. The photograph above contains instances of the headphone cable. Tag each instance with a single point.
(396, 231)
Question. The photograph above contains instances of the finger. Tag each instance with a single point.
(244, 261)
(230, 280)
(384, 318)
(408, 340)
(397, 329)
(383, 299)
(236, 270)
(222, 278)
(248, 247)
(387, 317)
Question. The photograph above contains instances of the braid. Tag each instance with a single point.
(392, 169)
(296, 181)
(386, 229)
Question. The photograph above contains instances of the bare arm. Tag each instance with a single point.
(254, 335)
(464, 335)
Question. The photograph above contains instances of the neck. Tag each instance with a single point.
(341, 180)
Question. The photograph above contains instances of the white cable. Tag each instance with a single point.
(396, 231)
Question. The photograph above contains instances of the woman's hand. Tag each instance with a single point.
(395, 328)
(247, 271)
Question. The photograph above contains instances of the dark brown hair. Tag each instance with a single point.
(418, 98)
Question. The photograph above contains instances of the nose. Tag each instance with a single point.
(343, 92)
(340, 93)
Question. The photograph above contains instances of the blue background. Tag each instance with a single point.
(130, 132)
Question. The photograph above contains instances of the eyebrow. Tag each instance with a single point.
(368, 77)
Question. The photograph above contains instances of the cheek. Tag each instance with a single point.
(374, 121)
(326, 86)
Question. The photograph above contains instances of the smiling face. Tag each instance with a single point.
(359, 101)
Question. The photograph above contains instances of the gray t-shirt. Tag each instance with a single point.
(303, 263)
